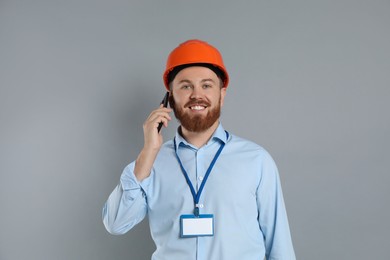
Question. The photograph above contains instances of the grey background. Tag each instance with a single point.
(309, 82)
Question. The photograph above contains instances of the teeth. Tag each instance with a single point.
(197, 108)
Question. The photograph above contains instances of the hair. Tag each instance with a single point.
(177, 69)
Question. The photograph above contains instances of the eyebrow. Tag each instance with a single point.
(184, 81)
(202, 81)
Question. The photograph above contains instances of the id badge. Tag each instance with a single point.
(192, 226)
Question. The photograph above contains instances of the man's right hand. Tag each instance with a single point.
(152, 141)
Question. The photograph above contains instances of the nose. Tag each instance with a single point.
(196, 92)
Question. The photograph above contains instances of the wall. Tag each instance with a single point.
(309, 82)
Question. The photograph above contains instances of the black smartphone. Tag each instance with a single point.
(165, 104)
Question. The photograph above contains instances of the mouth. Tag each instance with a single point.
(197, 107)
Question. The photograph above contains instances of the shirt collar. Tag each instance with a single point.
(219, 134)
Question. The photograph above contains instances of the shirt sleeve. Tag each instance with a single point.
(127, 204)
(272, 213)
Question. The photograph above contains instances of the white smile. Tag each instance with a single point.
(198, 108)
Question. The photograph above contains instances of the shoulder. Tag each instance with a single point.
(167, 145)
(167, 149)
(245, 147)
(238, 142)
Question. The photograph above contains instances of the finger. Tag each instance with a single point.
(161, 109)
(164, 122)
(155, 120)
(156, 114)
(164, 109)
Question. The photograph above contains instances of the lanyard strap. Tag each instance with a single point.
(195, 195)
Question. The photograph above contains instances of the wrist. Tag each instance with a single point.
(144, 162)
(150, 150)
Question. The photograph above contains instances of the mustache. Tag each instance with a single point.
(192, 103)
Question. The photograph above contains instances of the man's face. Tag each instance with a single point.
(197, 98)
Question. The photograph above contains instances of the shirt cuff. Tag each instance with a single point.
(130, 183)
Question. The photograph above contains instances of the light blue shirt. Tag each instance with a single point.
(243, 192)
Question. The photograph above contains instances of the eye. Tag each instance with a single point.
(185, 87)
(205, 86)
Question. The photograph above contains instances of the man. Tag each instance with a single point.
(208, 194)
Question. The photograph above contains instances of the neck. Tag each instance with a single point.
(198, 139)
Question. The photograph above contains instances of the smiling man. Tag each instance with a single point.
(208, 194)
(196, 99)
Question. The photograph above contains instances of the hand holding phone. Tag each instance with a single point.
(164, 102)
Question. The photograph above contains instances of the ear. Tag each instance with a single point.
(223, 94)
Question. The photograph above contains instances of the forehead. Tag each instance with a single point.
(196, 73)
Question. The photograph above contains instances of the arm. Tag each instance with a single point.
(272, 214)
(127, 205)
(152, 142)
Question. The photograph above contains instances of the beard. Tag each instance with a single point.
(196, 123)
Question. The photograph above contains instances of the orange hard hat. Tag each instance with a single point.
(195, 52)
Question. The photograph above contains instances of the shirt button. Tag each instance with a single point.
(201, 206)
(200, 178)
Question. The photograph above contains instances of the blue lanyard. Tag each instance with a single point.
(195, 195)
